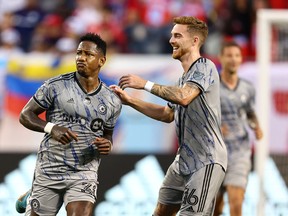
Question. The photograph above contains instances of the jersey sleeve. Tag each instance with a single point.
(115, 113)
(43, 95)
(202, 74)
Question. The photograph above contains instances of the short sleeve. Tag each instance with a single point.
(43, 96)
(203, 74)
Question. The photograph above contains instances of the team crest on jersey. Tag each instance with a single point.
(243, 98)
(35, 204)
(102, 109)
(197, 75)
(97, 125)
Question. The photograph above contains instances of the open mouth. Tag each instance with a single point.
(175, 49)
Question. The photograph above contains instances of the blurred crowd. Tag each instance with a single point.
(128, 26)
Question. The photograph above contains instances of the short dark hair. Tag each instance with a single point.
(95, 38)
(229, 43)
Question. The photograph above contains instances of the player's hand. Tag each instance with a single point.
(104, 145)
(132, 81)
(121, 93)
(63, 135)
(258, 133)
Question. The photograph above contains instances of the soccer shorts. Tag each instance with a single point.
(238, 169)
(195, 193)
(47, 195)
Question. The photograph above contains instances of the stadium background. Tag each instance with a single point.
(137, 33)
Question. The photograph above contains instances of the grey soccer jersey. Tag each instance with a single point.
(67, 104)
(198, 124)
(235, 104)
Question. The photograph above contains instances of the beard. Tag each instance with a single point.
(176, 55)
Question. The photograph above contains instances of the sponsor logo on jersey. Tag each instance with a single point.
(97, 125)
(73, 119)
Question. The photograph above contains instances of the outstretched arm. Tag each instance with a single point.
(157, 112)
(179, 95)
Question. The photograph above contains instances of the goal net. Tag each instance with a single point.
(272, 106)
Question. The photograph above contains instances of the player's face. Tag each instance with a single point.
(181, 41)
(231, 59)
(89, 59)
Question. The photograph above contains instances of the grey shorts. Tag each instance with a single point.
(238, 169)
(48, 195)
(196, 193)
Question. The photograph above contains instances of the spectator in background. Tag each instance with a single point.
(217, 14)
(26, 21)
(111, 30)
(237, 108)
(85, 13)
(135, 31)
(10, 6)
(238, 24)
(47, 33)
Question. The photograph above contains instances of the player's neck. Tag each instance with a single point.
(188, 60)
(229, 79)
(89, 84)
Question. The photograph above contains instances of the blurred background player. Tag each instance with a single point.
(237, 107)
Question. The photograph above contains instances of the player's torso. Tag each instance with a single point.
(85, 114)
(234, 105)
(198, 124)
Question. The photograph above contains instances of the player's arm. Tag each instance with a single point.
(254, 124)
(157, 112)
(105, 144)
(182, 96)
(29, 118)
(178, 95)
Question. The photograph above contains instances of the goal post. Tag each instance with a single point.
(265, 19)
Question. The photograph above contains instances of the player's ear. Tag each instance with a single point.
(102, 61)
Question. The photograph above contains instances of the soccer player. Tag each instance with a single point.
(81, 112)
(194, 178)
(237, 107)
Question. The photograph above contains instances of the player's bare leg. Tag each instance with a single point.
(80, 208)
(166, 210)
(219, 204)
(235, 197)
(33, 213)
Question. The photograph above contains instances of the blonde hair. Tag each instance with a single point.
(194, 26)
